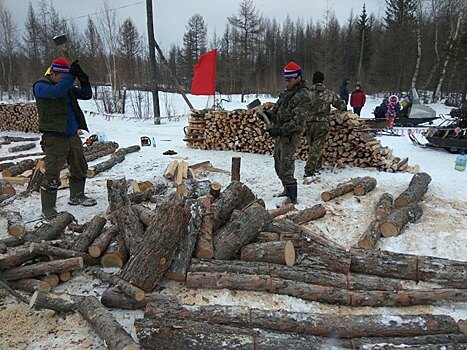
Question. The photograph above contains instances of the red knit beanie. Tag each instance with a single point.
(292, 70)
(60, 65)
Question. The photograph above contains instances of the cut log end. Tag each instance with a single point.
(16, 231)
(139, 295)
(65, 276)
(289, 254)
(111, 260)
(401, 202)
(366, 244)
(389, 229)
(94, 251)
(325, 196)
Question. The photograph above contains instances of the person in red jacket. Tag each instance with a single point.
(357, 99)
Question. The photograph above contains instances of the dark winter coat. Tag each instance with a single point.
(344, 92)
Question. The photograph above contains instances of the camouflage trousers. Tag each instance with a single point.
(316, 134)
(284, 158)
(58, 150)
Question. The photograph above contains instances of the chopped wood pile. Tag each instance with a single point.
(19, 117)
(227, 239)
(349, 142)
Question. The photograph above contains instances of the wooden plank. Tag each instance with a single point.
(182, 172)
(16, 180)
(171, 168)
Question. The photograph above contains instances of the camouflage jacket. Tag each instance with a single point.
(292, 109)
(321, 99)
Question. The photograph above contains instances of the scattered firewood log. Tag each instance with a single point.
(179, 266)
(171, 170)
(364, 185)
(101, 242)
(341, 189)
(42, 268)
(127, 288)
(103, 150)
(51, 251)
(6, 188)
(4, 166)
(31, 285)
(130, 226)
(415, 192)
(308, 214)
(20, 148)
(157, 249)
(242, 228)
(282, 210)
(51, 230)
(15, 258)
(280, 252)
(335, 325)
(384, 206)
(204, 246)
(116, 254)
(235, 169)
(60, 303)
(11, 241)
(15, 223)
(92, 231)
(37, 176)
(19, 168)
(64, 276)
(117, 193)
(148, 193)
(215, 190)
(52, 279)
(113, 298)
(19, 139)
(395, 222)
(78, 228)
(235, 196)
(115, 158)
(17, 156)
(371, 235)
(144, 214)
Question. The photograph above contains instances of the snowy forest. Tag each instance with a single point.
(417, 43)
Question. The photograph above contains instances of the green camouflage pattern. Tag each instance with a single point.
(290, 113)
(316, 136)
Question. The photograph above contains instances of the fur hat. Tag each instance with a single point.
(393, 99)
(318, 77)
(292, 70)
(60, 65)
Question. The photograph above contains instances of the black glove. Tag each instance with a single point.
(274, 132)
(83, 78)
(75, 69)
(268, 114)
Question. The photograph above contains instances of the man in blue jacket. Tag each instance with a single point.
(60, 117)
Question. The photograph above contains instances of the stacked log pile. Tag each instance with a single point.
(239, 245)
(349, 142)
(19, 117)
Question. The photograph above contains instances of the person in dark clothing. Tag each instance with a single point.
(60, 117)
(357, 99)
(288, 118)
(380, 111)
(344, 91)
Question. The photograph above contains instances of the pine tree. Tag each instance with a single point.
(194, 44)
(365, 49)
(129, 50)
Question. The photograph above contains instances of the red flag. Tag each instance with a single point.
(204, 80)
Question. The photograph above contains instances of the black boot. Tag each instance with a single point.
(281, 194)
(77, 196)
(48, 201)
(292, 193)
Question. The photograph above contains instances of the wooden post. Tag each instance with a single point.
(235, 171)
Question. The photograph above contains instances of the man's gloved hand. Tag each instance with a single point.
(83, 78)
(75, 69)
(274, 132)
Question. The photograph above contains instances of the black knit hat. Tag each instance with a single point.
(318, 77)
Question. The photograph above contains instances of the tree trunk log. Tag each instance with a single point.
(235, 196)
(415, 192)
(20, 148)
(92, 231)
(117, 194)
(105, 325)
(42, 268)
(281, 252)
(154, 255)
(335, 325)
(394, 223)
(114, 298)
(124, 286)
(116, 254)
(215, 190)
(340, 189)
(235, 169)
(115, 158)
(19, 168)
(15, 223)
(17, 156)
(130, 226)
(51, 230)
(282, 210)
(242, 229)
(364, 185)
(56, 252)
(60, 303)
(51, 279)
(179, 266)
(384, 206)
(144, 214)
(308, 214)
(371, 235)
(31, 285)
(6, 188)
(447, 273)
(204, 246)
(100, 244)
(422, 341)
(15, 258)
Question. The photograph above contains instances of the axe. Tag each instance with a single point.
(60, 41)
(255, 103)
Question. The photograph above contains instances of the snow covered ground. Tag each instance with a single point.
(441, 232)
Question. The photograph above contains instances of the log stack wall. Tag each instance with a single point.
(19, 117)
(349, 142)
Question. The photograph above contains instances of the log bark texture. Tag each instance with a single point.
(100, 244)
(130, 226)
(394, 223)
(364, 185)
(114, 298)
(128, 289)
(31, 285)
(117, 193)
(20, 148)
(15, 223)
(371, 235)
(281, 252)
(56, 252)
(116, 254)
(19, 168)
(92, 231)
(415, 192)
(384, 206)
(204, 246)
(51, 230)
(42, 268)
(315, 212)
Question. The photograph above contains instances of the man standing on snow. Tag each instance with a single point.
(344, 91)
(357, 99)
(288, 118)
(60, 117)
(317, 125)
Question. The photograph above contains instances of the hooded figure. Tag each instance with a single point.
(357, 99)
(344, 91)
(392, 111)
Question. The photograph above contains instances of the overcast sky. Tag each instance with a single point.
(171, 16)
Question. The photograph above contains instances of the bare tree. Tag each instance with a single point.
(418, 19)
(152, 62)
(7, 46)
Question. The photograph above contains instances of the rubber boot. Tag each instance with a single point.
(292, 193)
(281, 194)
(77, 196)
(48, 201)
